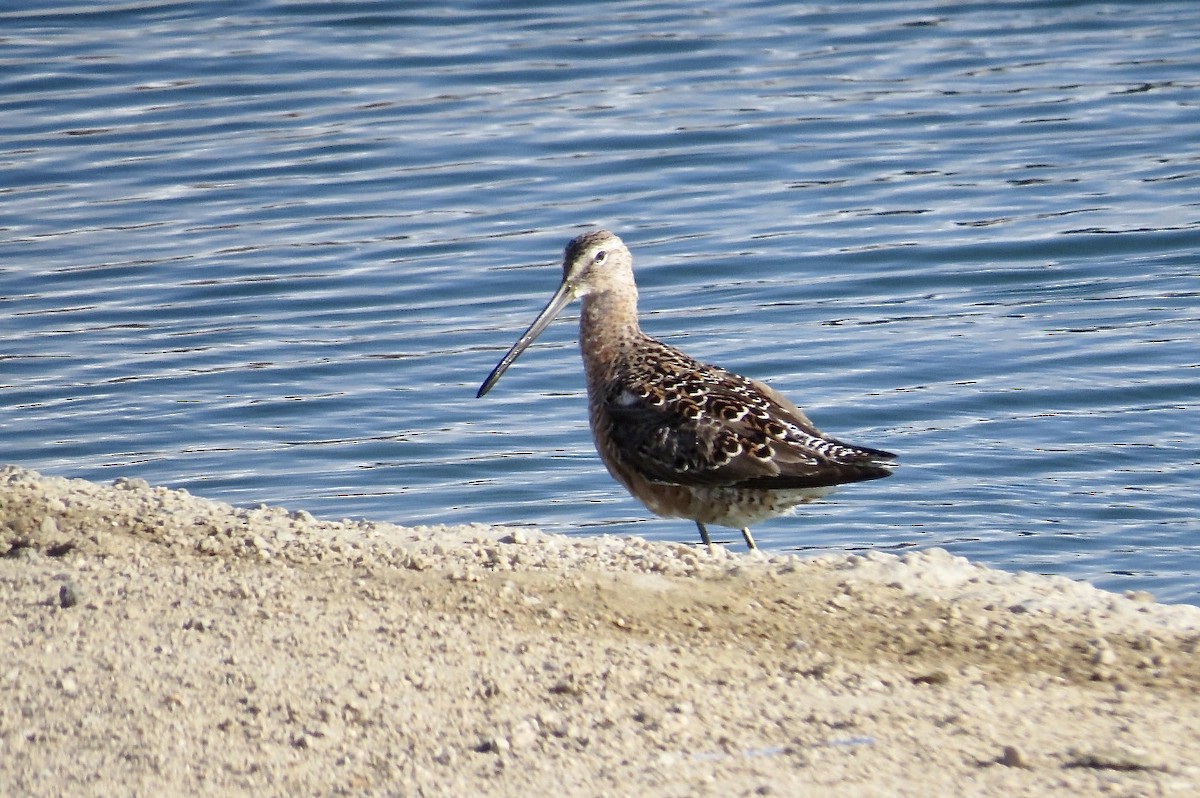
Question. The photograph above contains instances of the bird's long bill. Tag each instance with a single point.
(562, 296)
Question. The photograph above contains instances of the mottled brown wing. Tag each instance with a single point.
(731, 432)
(808, 457)
(665, 445)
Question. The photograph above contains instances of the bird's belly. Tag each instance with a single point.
(740, 507)
(732, 507)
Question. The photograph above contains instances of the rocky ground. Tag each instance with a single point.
(155, 643)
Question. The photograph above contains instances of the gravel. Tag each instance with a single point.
(159, 643)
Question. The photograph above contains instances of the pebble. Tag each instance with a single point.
(552, 723)
(523, 735)
(496, 744)
(933, 678)
(1113, 758)
(67, 597)
(131, 483)
(1012, 758)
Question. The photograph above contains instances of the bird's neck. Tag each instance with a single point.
(608, 328)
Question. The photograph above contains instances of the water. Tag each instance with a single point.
(267, 252)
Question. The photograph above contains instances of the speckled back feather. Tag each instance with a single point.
(679, 421)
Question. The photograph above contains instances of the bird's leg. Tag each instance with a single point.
(704, 535)
(749, 539)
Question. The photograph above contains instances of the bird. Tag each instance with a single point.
(686, 439)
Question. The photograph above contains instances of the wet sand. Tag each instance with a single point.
(156, 643)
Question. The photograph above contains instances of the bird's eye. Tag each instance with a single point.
(599, 257)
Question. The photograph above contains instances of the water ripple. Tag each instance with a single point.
(267, 253)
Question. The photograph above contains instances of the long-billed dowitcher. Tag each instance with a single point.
(688, 440)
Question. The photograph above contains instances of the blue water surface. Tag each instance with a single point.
(268, 251)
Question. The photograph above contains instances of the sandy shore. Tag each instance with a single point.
(155, 643)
